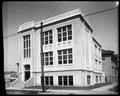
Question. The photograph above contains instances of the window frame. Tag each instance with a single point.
(27, 46)
(66, 80)
(48, 58)
(61, 31)
(65, 56)
(47, 37)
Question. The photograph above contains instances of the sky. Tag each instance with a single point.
(105, 25)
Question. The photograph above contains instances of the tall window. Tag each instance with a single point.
(96, 79)
(65, 56)
(88, 79)
(27, 46)
(48, 80)
(100, 78)
(48, 58)
(64, 33)
(96, 61)
(47, 37)
(65, 80)
(95, 49)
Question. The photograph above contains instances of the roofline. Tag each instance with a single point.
(53, 20)
(96, 41)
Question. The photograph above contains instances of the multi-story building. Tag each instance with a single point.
(72, 56)
(110, 65)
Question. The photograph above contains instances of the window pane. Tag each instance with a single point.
(59, 80)
(50, 41)
(59, 39)
(59, 62)
(27, 52)
(65, 61)
(50, 32)
(64, 38)
(46, 59)
(29, 43)
(50, 37)
(46, 63)
(51, 63)
(64, 56)
(51, 58)
(70, 61)
(65, 80)
(59, 35)
(51, 53)
(46, 42)
(46, 33)
(59, 52)
(64, 34)
(24, 54)
(69, 50)
(70, 80)
(69, 27)
(64, 28)
(70, 56)
(69, 37)
(46, 38)
(70, 32)
(59, 57)
(46, 81)
(59, 30)
(64, 51)
(88, 80)
(51, 80)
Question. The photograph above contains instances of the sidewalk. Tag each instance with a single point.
(100, 90)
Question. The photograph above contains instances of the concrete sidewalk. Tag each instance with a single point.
(100, 90)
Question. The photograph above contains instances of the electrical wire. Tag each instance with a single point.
(94, 13)
(54, 10)
(100, 11)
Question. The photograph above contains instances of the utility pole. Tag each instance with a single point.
(42, 60)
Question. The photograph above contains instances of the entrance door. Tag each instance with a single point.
(27, 72)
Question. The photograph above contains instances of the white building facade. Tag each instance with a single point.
(71, 57)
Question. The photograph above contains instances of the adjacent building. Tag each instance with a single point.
(72, 56)
(110, 65)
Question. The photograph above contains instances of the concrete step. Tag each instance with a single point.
(20, 84)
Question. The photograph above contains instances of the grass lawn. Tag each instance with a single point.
(72, 87)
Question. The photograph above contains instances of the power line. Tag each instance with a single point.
(100, 11)
(53, 10)
(94, 13)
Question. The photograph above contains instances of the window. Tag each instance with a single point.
(48, 58)
(96, 61)
(95, 49)
(27, 72)
(96, 79)
(100, 65)
(100, 78)
(65, 56)
(48, 80)
(47, 37)
(26, 46)
(88, 79)
(65, 80)
(64, 33)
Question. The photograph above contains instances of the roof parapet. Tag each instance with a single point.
(59, 17)
(26, 25)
